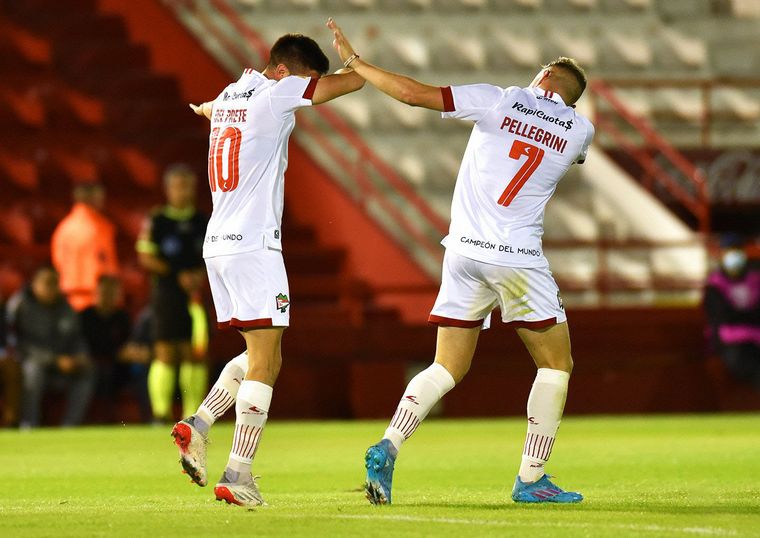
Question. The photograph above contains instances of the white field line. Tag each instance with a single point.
(702, 531)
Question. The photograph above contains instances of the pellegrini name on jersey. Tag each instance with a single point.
(531, 132)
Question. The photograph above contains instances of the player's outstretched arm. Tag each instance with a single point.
(204, 109)
(341, 82)
(400, 87)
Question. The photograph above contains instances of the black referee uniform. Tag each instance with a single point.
(175, 236)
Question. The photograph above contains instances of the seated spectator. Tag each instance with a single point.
(46, 336)
(732, 303)
(10, 380)
(106, 328)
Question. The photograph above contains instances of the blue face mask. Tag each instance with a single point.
(734, 261)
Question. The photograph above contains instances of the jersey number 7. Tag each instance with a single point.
(535, 155)
(223, 155)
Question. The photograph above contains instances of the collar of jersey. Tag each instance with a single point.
(556, 97)
(179, 214)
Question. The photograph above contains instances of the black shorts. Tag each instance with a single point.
(171, 316)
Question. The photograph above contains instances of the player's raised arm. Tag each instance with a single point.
(400, 87)
(329, 87)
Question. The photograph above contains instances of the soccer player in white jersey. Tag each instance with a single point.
(522, 143)
(251, 121)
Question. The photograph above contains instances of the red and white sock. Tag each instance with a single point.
(222, 395)
(545, 406)
(421, 394)
(252, 409)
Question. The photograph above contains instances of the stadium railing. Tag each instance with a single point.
(689, 188)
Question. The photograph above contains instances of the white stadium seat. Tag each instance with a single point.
(682, 104)
(734, 104)
(630, 49)
(510, 49)
(687, 51)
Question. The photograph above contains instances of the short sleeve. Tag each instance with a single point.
(293, 92)
(581, 158)
(469, 102)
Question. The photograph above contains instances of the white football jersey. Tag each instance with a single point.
(251, 121)
(523, 142)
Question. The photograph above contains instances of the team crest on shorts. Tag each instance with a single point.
(559, 302)
(282, 302)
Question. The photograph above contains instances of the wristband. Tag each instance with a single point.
(350, 60)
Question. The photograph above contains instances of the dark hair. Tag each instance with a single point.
(572, 67)
(178, 169)
(299, 53)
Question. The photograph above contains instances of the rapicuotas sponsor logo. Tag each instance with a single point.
(540, 114)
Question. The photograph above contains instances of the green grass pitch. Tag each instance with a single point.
(652, 476)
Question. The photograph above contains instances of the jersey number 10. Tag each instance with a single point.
(535, 155)
(223, 155)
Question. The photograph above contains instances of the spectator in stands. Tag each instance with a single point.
(171, 249)
(84, 246)
(45, 333)
(732, 302)
(106, 328)
(10, 379)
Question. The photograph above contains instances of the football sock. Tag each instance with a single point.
(252, 409)
(545, 405)
(193, 382)
(161, 380)
(421, 394)
(222, 395)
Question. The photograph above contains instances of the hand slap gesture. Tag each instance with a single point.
(340, 43)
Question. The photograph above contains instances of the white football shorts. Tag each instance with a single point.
(470, 290)
(250, 289)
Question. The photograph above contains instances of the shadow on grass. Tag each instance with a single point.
(599, 507)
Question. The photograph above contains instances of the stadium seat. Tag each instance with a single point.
(20, 44)
(682, 104)
(455, 51)
(517, 5)
(460, 5)
(676, 9)
(17, 227)
(405, 5)
(514, 49)
(403, 116)
(299, 5)
(574, 268)
(734, 104)
(404, 51)
(564, 221)
(141, 169)
(638, 101)
(571, 5)
(616, 6)
(626, 49)
(684, 51)
(574, 43)
(20, 170)
(629, 269)
(24, 106)
(745, 9)
(355, 109)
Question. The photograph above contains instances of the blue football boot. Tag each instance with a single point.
(379, 461)
(543, 491)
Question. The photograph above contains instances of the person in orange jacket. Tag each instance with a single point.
(84, 246)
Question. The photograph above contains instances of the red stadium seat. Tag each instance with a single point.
(21, 171)
(17, 227)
